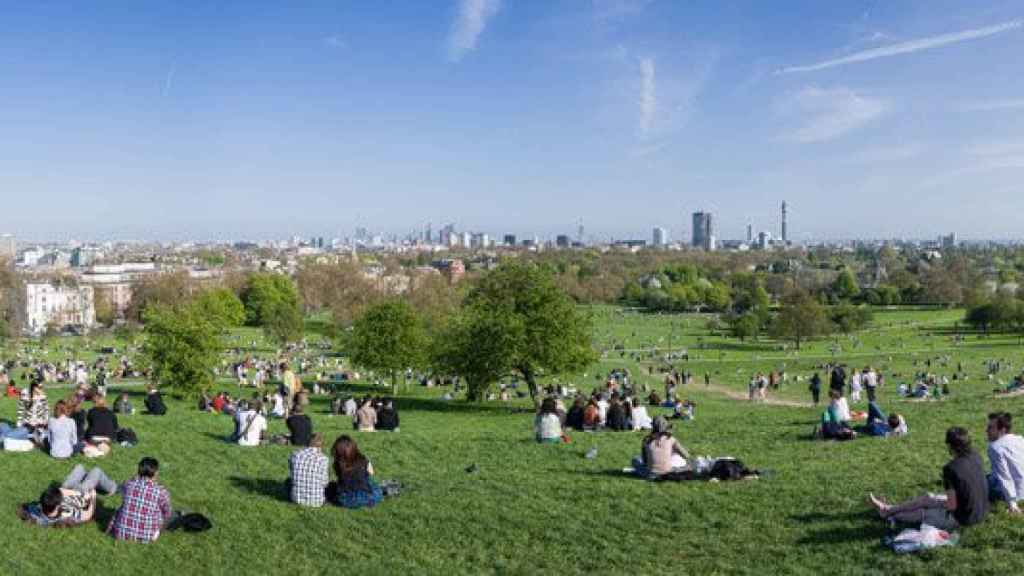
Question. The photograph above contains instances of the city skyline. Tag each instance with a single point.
(259, 121)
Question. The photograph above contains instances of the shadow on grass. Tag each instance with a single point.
(453, 406)
(103, 516)
(268, 487)
(844, 534)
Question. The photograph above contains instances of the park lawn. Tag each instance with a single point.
(537, 508)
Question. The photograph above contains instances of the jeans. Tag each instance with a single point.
(19, 433)
(871, 393)
(85, 483)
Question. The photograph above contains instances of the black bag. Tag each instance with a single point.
(126, 435)
(191, 522)
(729, 469)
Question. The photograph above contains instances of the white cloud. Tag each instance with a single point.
(469, 24)
(909, 46)
(648, 96)
(995, 105)
(827, 114)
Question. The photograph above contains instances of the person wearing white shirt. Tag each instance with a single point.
(641, 419)
(870, 381)
(855, 386)
(1006, 453)
(602, 409)
(277, 405)
(251, 426)
(350, 407)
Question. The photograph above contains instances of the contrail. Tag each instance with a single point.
(908, 47)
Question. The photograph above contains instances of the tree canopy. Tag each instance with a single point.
(272, 303)
(388, 337)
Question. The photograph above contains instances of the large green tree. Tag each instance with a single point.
(800, 318)
(223, 305)
(183, 346)
(272, 303)
(388, 338)
(516, 321)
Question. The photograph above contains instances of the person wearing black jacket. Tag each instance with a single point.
(387, 416)
(102, 422)
(300, 427)
(616, 418)
(815, 387)
(574, 419)
(837, 380)
(155, 403)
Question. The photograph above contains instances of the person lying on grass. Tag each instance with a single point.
(1006, 454)
(145, 508)
(356, 486)
(73, 502)
(547, 427)
(660, 452)
(308, 474)
(965, 501)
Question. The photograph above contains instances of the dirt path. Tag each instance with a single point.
(736, 395)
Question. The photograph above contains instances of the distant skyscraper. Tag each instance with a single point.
(562, 241)
(660, 237)
(764, 240)
(510, 240)
(948, 241)
(750, 233)
(784, 236)
(467, 239)
(579, 232)
(703, 231)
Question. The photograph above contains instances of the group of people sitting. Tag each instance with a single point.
(837, 421)
(70, 429)
(369, 413)
(967, 491)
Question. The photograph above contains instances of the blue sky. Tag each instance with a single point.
(266, 119)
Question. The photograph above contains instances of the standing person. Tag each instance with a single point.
(308, 475)
(965, 501)
(1006, 454)
(356, 486)
(815, 388)
(707, 379)
(870, 382)
(145, 508)
(855, 386)
(837, 379)
(291, 384)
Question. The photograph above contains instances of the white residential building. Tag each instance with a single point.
(58, 304)
(660, 237)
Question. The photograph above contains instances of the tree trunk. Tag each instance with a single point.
(394, 383)
(531, 382)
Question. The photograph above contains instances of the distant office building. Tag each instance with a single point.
(82, 257)
(703, 231)
(750, 233)
(659, 237)
(562, 241)
(948, 241)
(509, 240)
(785, 238)
(467, 240)
(764, 240)
(480, 240)
(634, 244)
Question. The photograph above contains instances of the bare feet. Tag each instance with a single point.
(880, 505)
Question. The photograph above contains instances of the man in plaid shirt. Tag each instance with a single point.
(308, 474)
(145, 508)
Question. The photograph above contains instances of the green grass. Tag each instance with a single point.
(546, 509)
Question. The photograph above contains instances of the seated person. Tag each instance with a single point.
(145, 507)
(155, 402)
(102, 423)
(639, 417)
(356, 486)
(660, 453)
(73, 502)
(219, 401)
(250, 424)
(965, 501)
(1006, 454)
(591, 415)
(365, 419)
(833, 426)
(277, 402)
(350, 407)
(308, 474)
(574, 418)
(123, 405)
(205, 403)
(547, 427)
(62, 435)
(300, 427)
(387, 416)
(616, 415)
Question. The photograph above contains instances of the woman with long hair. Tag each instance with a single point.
(356, 486)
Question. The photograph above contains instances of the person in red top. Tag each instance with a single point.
(145, 508)
(218, 402)
(12, 391)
